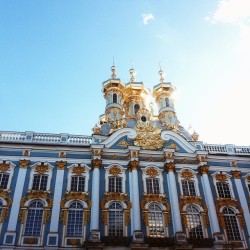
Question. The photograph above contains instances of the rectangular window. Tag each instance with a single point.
(4, 179)
(78, 183)
(152, 185)
(115, 184)
(188, 188)
(40, 182)
(223, 190)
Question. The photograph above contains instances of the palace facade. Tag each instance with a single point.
(140, 181)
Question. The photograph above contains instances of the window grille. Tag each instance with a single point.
(115, 184)
(232, 228)
(188, 188)
(136, 108)
(75, 220)
(34, 219)
(78, 183)
(156, 221)
(115, 223)
(4, 179)
(194, 225)
(40, 182)
(223, 189)
(153, 186)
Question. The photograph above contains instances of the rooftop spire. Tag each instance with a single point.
(113, 69)
(132, 72)
(161, 73)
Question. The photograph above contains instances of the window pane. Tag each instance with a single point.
(4, 178)
(223, 190)
(115, 184)
(188, 188)
(40, 182)
(34, 219)
(156, 221)
(77, 183)
(152, 185)
(115, 223)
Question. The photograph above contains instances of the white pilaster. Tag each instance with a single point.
(131, 199)
(94, 221)
(215, 228)
(243, 200)
(175, 210)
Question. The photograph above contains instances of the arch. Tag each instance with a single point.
(115, 219)
(136, 108)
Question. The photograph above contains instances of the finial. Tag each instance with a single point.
(161, 73)
(132, 72)
(113, 69)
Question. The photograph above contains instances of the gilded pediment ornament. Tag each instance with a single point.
(4, 167)
(79, 170)
(115, 171)
(236, 174)
(152, 172)
(221, 177)
(173, 146)
(187, 174)
(123, 143)
(41, 169)
(148, 136)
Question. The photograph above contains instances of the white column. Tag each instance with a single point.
(57, 196)
(135, 197)
(94, 221)
(131, 199)
(215, 228)
(175, 210)
(14, 212)
(242, 198)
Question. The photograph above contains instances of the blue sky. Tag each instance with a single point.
(56, 54)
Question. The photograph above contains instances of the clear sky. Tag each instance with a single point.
(55, 54)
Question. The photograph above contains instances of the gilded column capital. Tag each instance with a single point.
(170, 166)
(61, 165)
(203, 169)
(236, 174)
(134, 165)
(24, 163)
(96, 163)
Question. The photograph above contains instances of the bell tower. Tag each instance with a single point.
(134, 96)
(165, 102)
(113, 93)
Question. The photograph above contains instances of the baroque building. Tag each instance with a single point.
(140, 181)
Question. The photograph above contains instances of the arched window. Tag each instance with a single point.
(115, 184)
(114, 98)
(194, 223)
(156, 221)
(75, 219)
(152, 185)
(115, 222)
(188, 188)
(232, 228)
(34, 219)
(136, 108)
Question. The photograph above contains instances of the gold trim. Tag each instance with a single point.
(236, 174)
(203, 169)
(173, 146)
(170, 167)
(61, 165)
(221, 177)
(96, 163)
(187, 174)
(4, 167)
(115, 171)
(123, 143)
(79, 170)
(24, 163)
(152, 172)
(134, 165)
(41, 169)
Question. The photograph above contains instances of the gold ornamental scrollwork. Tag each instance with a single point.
(152, 172)
(148, 136)
(4, 167)
(79, 170)
(189, 200)
(173, 146)
(236, 174)
(75, 196)
(187, 174)
(61, 165)
(96, 163)
(221, 177)
(24, 163)
(134, 165)
(170, 166)
(115, 171)
(41, 169)
(203, 169)
(37, 194)
(248, 178)
(123, 143)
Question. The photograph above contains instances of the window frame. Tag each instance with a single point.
(10, 172)
(116, 211)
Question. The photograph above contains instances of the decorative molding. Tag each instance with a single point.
(203, 169)
(96, 163)
(97, 152)
(62, 154)
(173, 146)
(123, 143)
(170, 166)
(115, 171)
(233, 164)
(221, 177)
(152, 172)
(134, 165)
(75, 196)
(201, 158)
(4, 167)
(61, 165)
(6, 196)
(189, 200)
(41, 169)
(24, 163)
(236, 174)
(79, 170)
(187, 174)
